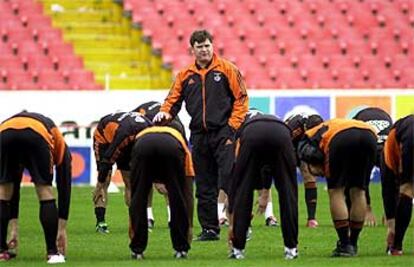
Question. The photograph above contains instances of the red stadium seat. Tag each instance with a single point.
(30, 47)
(353, 41)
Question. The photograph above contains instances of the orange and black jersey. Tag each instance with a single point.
(323, 134)
(46, 128)
(215, 96)
(397, 165)
(189, 170)
(117, 131)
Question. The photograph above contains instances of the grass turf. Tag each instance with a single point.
(88, 248)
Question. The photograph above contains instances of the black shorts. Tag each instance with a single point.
(159, 155)
(122, 163)
(352, 155)
(24, 148)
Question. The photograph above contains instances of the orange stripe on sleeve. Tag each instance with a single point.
(59, 146)
(174, 95)
(241, 100)
(392, 152)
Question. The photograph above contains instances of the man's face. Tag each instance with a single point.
(203, 52)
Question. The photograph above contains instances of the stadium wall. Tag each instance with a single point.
(85, 107)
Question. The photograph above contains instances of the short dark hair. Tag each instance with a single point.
(200, 36)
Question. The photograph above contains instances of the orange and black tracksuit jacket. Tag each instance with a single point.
(215, 96)
(115, 134)
(322, 135)
(397, 164)
(46, 128)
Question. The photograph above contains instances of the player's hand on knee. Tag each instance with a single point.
(99, 193)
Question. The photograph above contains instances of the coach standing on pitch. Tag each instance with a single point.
(31, 140)
(216, 99)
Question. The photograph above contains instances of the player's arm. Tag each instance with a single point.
(389, 191)
(63, 162)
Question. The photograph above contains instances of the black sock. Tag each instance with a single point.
(356, 228)
(4, 222)
(402, 219)
(48, 216)
(310, 198)
(342, 228)
(100, 214)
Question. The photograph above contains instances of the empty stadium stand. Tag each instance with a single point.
(291, 44)
(139, 44)
(33, 54)
(109, 46)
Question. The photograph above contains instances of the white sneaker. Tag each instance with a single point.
(181, 254)
(55, 259)
(249, 233)
(137, 256)
(237, 254)
(291, 253)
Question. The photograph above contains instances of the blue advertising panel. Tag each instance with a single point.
(287, 106)
(81, 164)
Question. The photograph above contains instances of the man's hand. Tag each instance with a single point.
(370, 219)
(161, 188)
(14, 236)
(162, 117)
(390, 233)
(99, 192)
(62, 239)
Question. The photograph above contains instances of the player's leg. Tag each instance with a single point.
(100, 199)
(6, 191)
(402, 216)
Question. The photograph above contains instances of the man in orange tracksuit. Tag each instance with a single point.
(160, 155)
(32, 141)
(397, 177)
(344, 151)
(216, 99)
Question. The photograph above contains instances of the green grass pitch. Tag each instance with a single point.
(88, 248)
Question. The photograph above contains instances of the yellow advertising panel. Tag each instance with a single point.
(404, 106)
